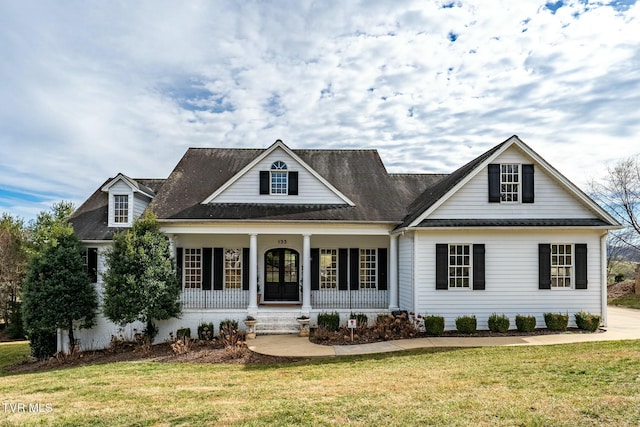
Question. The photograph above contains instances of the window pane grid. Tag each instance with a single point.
(121, 209)
(561, 266)
(459, 266)
(290, 267)
(233, 269)
(368, 268)
(192, 268)
(328, 268)
(279, 178)
(509, 182)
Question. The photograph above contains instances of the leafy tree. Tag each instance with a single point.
(13, 262)
(49, 224)
(57, 291)
(140, 281)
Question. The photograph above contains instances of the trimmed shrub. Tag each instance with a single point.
(362, 321)
(556, 321)
(205, 331)
(433, 325)
(525, 323)
(466, 324)
(587, 321)
(329, 321)
(183, 333)
(498, 323)
(43, 344)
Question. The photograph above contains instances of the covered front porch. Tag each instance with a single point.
(336, 268)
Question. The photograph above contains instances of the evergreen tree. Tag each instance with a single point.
(141, 282)
(57, 292)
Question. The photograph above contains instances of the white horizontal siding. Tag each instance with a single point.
(405, 272)
(511, 264)
(551, 199)
(140, 203)
(247, 188)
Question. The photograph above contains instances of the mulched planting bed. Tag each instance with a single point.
(162, 353)
(343, 336)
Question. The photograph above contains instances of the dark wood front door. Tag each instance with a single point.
(281, 269)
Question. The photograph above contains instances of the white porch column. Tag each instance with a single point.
(393, 272)
(253, 274)
(306, 273)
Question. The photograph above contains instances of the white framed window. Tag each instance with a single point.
(120, 209)
(279, 177)
(192, 268)
(328, 268)
(509, 182)
(368, 268)
(233, 268)
(561, 266)
(459, 266)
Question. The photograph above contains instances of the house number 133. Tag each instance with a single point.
(282, 242)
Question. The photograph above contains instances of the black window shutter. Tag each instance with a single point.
(527, 184)
(544, 266)
(581, 266)
(218, 268)
(315, 269)
(264, 182)
(245, 269)
(382, 269)
(293, 184)
(354, 269)
(92, 264)
(478, 267)
(494, 183)
(343, 268)
(442, 266)
(206, 268)
(179, 261)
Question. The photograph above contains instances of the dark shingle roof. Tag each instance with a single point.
(358, 174)
(90, 220)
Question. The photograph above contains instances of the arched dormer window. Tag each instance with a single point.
(278, 180)
(279, 177)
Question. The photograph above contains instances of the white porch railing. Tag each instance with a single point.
(360, 299)
(227, 298)
(324, 299)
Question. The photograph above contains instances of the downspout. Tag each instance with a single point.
(603, 274)
(414, 272)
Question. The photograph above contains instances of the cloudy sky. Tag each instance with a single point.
(90, 89)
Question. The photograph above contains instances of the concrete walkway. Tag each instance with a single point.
(623, 324)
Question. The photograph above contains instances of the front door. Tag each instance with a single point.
(281, 275)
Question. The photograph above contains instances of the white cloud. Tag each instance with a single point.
(92, 89)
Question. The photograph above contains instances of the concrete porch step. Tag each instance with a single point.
(277, 322)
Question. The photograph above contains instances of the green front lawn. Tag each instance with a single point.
(563, 385)
(629, 301)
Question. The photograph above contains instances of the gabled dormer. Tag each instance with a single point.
(127, 200)
(278, 176)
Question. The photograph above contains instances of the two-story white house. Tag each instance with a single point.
(277, 232)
